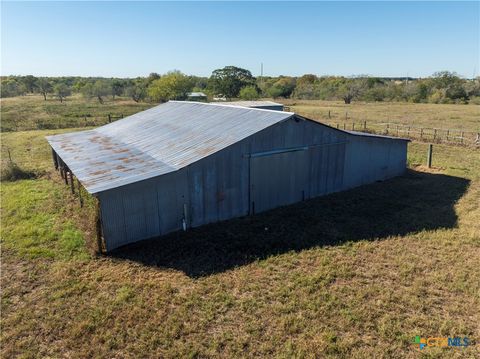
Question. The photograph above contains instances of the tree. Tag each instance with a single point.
(472, 87)
(351, 89)
(61, 91)
(230, 80)
(118, 87)
(136, 90)
(44, 87)
(308, 79)
(450, 84)
(171, 86)
(99, 89)
(249, 93)
(283, 87)
(30, 82)
(152, 77)
(11, 87)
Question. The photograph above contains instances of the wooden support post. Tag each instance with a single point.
(62, 169)
(80, 193)
(429, 155)
(55, 160)
(98, 225)
(344, 126)
(329, 114)
(72, 186)
(109, 118)
(365, 125)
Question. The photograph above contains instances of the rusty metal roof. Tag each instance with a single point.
(157, 141)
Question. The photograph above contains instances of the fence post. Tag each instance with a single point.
(462, 137)
(353, 126)
(387, 128)
(434, 134)
(421, 133)
(329, 114)
(429, 155)
(365, 125)
(109, 118)
(344, 126)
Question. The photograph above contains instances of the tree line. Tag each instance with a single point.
(233, 82)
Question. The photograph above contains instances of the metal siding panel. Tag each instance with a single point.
(278, 179)
(369, 159)
(135, 218)
(113, 217)
(210, 186)
(195, 183)
(340, 166)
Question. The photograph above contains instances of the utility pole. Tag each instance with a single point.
(261, 75)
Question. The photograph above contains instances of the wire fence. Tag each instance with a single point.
(427, 134)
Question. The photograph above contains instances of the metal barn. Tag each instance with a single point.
(185, 164)
(266, 105)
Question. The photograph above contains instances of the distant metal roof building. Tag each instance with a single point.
(266, 105)
(157, 141)
(197, 94)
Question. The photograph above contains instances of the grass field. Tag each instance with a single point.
(32, 112)
(462, 117)
(353, 274)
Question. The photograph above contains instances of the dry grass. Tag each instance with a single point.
(355, 274)
(462, 117)
(32, 112)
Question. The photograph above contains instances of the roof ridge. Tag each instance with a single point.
(229, 105)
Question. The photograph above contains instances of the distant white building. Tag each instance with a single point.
(197, 96)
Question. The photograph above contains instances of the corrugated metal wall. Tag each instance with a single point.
(370, 159)
(285, 163)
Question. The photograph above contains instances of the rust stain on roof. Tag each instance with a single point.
(160, 140)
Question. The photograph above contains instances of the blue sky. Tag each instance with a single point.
(125, 39)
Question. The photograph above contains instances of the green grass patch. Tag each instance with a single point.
(34, 224)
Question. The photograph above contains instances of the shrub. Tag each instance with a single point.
(249, 93)
(13, 172)
(475, 100)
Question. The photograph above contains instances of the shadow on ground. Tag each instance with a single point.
(412, 203)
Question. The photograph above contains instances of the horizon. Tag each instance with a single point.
(388, 40)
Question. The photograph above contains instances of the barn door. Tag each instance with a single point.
(278, 179)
